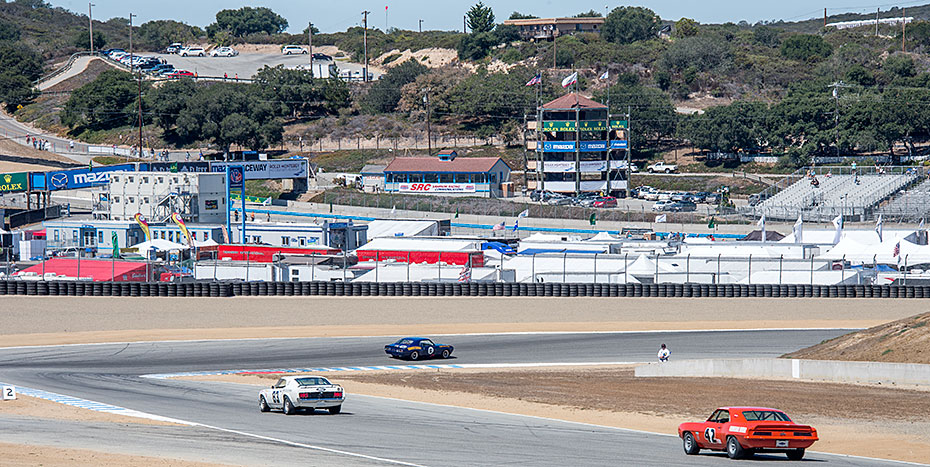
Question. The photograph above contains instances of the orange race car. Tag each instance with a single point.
(744, 431)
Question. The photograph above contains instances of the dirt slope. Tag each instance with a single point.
(904, 341)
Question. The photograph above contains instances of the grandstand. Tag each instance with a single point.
(910, 206)
(838, 191)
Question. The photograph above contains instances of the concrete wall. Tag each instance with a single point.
(779, 368)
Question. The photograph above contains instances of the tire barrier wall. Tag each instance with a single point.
(473, 289)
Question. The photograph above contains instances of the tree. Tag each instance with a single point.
(806, 47)
(104, 103)
(9, 32)
(484, 100)
(162, 33)
(918, 33)
(686, 27)
(229, 113)
(480, 18)
(19, 67)
(385, 94)
(740, 126)
(296, 93)
(625, 25)
(518, 15)
(247, 20)
(766, 35)
(900, 65)
(701, 52)
(82, 40)
(589, 14)
(653, 114)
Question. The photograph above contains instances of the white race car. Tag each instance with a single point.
(293, 393)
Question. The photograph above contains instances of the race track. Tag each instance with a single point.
(371, 430)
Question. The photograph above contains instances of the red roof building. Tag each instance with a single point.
(448, 175)
(572, 101)
(96, 269)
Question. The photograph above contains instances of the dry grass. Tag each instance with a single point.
(903, 341)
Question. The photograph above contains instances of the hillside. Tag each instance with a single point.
(810, 26)
(903, 341)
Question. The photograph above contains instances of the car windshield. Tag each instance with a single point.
(316, 381)
(765, 415)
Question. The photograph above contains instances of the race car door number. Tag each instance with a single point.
(781, 443)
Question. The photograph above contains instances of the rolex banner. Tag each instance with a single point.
(14, 182)
(569, 125)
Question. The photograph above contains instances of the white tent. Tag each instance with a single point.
(603, 237)
(158, 244)
(205, 243)
(643, 266)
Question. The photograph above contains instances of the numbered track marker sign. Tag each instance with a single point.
(9, 393)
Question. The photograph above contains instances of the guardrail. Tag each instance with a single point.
(450, 289)
(63, 68)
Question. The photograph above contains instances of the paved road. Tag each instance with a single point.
(395, 430)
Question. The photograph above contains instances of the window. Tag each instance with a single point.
(130, 180)
(206, 236)
(162, 234)
(132, 199)
(115, 179)
(116, 199)
(285, 241)
(145, 200)
(74, 235)
(763, 415)
(145, 179)
(57, 235)
(302, 241)
(100, 236)
(295, 272)
(161, 179)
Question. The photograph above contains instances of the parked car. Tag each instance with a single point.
(174, 48)
(586, 199)
(293, 49)
(680, 206)
(712, 198)
(664, 196)
(224, 52)
(757, 198)
(559, 200)
(192, 51)
(660, 205)
(160, 68)
(652, 195)
(681, 196)
(662, 167)
(322, 57)
(699, 197)
(179, 74)
(605, 202)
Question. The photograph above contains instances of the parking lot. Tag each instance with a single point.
(246, 64)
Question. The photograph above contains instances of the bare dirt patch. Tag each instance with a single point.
(40, 408)
(16, 455)
(432, 57)
(123, 319)
(903, 341)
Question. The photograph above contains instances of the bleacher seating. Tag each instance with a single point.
(910, 205)
(836, 194)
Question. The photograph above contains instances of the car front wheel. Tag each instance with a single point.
(414, 355)
(446, 353)
(690, 444)
(734, 450)
(262, 404)
(795, 455)
(288, 406)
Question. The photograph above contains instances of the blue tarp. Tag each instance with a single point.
(501, 247)
(539, 251)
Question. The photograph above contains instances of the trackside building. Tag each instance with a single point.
(448, 175)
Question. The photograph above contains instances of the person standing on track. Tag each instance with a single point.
(664, 353)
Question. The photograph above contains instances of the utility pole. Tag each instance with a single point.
(903, 29)
(385, 19)
(836, 113)
(421, 25)
(90, 22)
(365, 40)
(464, 24)
(877, 10)
(824, 17)
(429, 134)
(553, 50)
(310, 44)
(140, 82)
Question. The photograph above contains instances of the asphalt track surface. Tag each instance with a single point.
(371, 430)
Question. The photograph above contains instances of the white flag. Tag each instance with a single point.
(661, 218)
(393, 209)
(799, 230)
(878, 227)
(761, 224)
(838, 223)
(570, 80)
(525, 213)
(606, 75)
(921, 225)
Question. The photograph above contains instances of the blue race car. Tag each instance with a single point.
(415, 348)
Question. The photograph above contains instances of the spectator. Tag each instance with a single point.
(664, 353)
(188, 155)
(71, 146)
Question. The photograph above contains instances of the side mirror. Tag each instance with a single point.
(272, 386)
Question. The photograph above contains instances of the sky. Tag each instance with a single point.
(332, 16)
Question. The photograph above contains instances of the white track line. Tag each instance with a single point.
(438, 366)
(394, 336)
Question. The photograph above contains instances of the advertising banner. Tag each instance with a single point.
(83, 178)
(436, 187)
(274, 169)
(617, 144)
(586, 166)
(593, 146)
(558, 126)
(594, 125)
(176, 167)
(559, 146)
(619, 124)
(14, 182)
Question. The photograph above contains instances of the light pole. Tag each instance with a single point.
(90, 22)
(421, 25)
(365, 43)
(310, 44)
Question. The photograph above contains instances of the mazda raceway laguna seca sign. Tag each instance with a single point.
(83, 178)
(257, 170)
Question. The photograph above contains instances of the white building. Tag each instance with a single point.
(198, 197)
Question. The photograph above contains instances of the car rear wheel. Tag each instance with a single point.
(446, 353)
(795, 455)
(335, 410)
(690, 444)
(414, 355)
(652, 171)
(288, 406)
(734, 450)
(262, 404)
(668, 171)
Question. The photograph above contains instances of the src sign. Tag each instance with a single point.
(436, 187)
